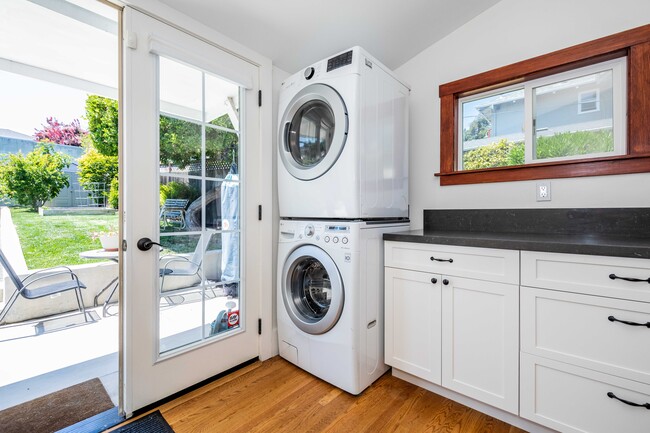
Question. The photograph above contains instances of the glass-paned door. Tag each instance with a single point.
(191, 134)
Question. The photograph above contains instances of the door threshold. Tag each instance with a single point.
(97, 423)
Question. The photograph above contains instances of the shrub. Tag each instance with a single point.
(574, 143)
(114, 193)
(95, 167)
(35, 178)
(60, 133)
(497, 154)
(103, 123)
(178, 190)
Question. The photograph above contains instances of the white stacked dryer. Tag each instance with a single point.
(343, 140)
(342, 183)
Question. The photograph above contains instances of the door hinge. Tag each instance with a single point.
(259, 326)
(259, 212)
(259, 98)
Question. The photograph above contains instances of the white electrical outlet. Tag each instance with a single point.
(543, 191)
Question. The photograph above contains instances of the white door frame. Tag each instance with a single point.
(268, 339)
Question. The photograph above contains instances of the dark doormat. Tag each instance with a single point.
(58, 410)
(152, 423)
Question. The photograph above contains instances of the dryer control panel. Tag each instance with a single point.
(339, 61)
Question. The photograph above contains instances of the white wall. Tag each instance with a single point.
(511, 31)
(278, 77)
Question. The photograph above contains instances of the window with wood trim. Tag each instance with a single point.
(504, 124)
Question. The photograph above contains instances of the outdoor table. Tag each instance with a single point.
(102, 254)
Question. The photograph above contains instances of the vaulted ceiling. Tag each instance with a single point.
(296, 33)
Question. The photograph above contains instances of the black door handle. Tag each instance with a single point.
(145, 244)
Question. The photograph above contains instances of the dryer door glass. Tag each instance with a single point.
(311, 132)
(312, 290)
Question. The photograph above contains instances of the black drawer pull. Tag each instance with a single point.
(634, 280)
(442, 260)
(434, 280)
(614, 319)
(445, 282)
(611, 395)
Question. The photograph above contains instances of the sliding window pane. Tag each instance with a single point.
(574, 117)
(493, 131)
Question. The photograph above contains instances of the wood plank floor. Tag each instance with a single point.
(276, 396)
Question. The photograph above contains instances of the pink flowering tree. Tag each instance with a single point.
(60, 133)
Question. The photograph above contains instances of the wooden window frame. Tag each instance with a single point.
(633, 44)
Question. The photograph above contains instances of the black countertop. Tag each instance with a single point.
(600, 245)
(620, 232)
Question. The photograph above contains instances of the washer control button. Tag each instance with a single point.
(309, 230)
(326, 238)
(344, 240)
(335, 240)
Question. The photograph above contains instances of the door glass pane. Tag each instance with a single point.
(311, 132)
(493, 131)
(199, 213)
(574, 117)
(222, 149)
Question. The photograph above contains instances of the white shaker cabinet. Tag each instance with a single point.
(452, 318)
(585, 342)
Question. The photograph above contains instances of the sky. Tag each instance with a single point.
(26, 103)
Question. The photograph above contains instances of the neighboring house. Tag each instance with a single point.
(14, 142)
(576, 105)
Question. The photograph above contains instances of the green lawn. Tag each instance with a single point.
(56, 240)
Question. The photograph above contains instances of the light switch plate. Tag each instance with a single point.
(543, 191)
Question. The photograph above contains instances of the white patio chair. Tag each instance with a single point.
(25, 289)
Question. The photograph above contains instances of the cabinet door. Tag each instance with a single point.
(413, 323)
(480, 340)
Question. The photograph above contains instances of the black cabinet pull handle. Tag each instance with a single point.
(634, 280)
(614, 319)
(611, 395)
(445, 282)
(442, 260)
(434, 280)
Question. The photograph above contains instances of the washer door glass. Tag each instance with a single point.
(313, 131)
(313, 290)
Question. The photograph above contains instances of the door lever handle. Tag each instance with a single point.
(145, 244)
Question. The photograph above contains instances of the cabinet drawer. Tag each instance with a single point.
(577, 328)
(478, 263)
(595, 275)
(573, 399)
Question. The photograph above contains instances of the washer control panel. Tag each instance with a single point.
(324, 233)
(337, 233)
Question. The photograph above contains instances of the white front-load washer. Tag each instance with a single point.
(343, 140)
(330, 299)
